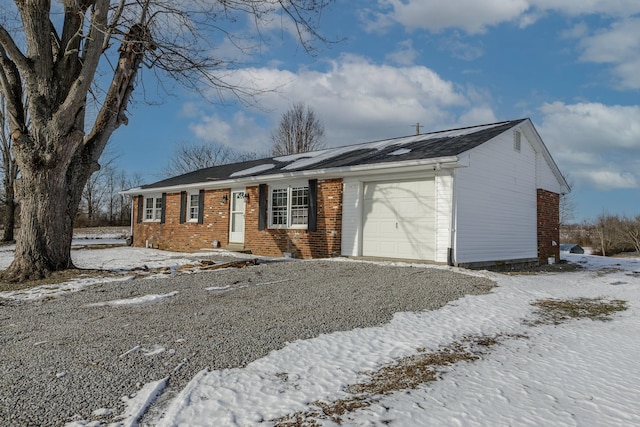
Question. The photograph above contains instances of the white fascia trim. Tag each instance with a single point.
(379, 168)
(533, 135)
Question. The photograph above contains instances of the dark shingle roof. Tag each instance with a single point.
(418, 147)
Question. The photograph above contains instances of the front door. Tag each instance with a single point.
(236, 230)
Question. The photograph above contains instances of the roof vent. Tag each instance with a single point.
(517, 140)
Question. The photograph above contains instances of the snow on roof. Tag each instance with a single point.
(400, 152)
(305, 160)
(253, 170)
(434, 145)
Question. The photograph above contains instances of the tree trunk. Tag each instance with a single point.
(8, 222)
(46, 226)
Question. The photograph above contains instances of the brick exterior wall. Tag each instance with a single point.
(190, 236)
(548, 226)
(322, 243)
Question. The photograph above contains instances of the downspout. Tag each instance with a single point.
(451, 253)
(131, 219)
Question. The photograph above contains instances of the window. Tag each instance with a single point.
(289, 207)
(194, 201)
(299, 205)
(152, 208)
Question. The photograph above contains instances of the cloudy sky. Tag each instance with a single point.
(572, 66)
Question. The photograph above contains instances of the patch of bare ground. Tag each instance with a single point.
(414, 371)
(68, 275)
(57, 277)
(407, 373)
(560, 267)
(555, 311)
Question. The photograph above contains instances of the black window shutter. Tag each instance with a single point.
(163, 211)
(313, 205)
(262, 207)
(140, 208)
(201, 207)
(183, 207)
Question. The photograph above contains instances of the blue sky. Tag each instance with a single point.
(572, 66)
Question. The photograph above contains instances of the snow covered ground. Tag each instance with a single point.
(578, 373)
(575, 373)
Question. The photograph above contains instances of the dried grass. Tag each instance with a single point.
(555, 311)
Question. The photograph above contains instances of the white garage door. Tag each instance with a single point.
(399, 219)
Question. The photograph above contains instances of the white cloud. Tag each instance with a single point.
(471, 15)
(357, 101)
(607, 179)
(475, 16)
(405, 55)
(596, 144)
(460, 49)
(230, 132)
(576, 32)
(618, 45)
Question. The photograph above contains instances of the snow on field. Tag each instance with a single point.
(110, 258)
(581, 372)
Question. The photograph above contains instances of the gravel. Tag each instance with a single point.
(61, 360)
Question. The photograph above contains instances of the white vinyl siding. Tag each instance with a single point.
(545, 178)
(444, 195)
(351, 217)
(496, 202)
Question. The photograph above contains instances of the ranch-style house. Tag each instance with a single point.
(474, 197)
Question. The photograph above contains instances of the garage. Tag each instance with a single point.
(399, 219)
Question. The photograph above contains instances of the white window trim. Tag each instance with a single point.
(188, 213)
(153, 218)
(288, 187)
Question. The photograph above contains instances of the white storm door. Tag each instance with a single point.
(236, 223)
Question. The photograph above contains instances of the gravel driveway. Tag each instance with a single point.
(62, 359)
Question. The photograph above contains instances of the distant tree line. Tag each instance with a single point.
(608, 235)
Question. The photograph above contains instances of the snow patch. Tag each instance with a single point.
(400, 152)
(253, 170)
(44, 291)
(137, 405)
(132, 301)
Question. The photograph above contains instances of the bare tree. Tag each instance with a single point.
(567, 205)
(631, 231)
(9, 169)
(96, 192)
(188, 157)
(54, 51)
(299, 131)
(609, 231)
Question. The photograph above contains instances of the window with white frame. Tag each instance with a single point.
(289, 207)
(152, 208)
(194, 206)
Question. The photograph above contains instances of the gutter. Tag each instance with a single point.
(380, 168)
